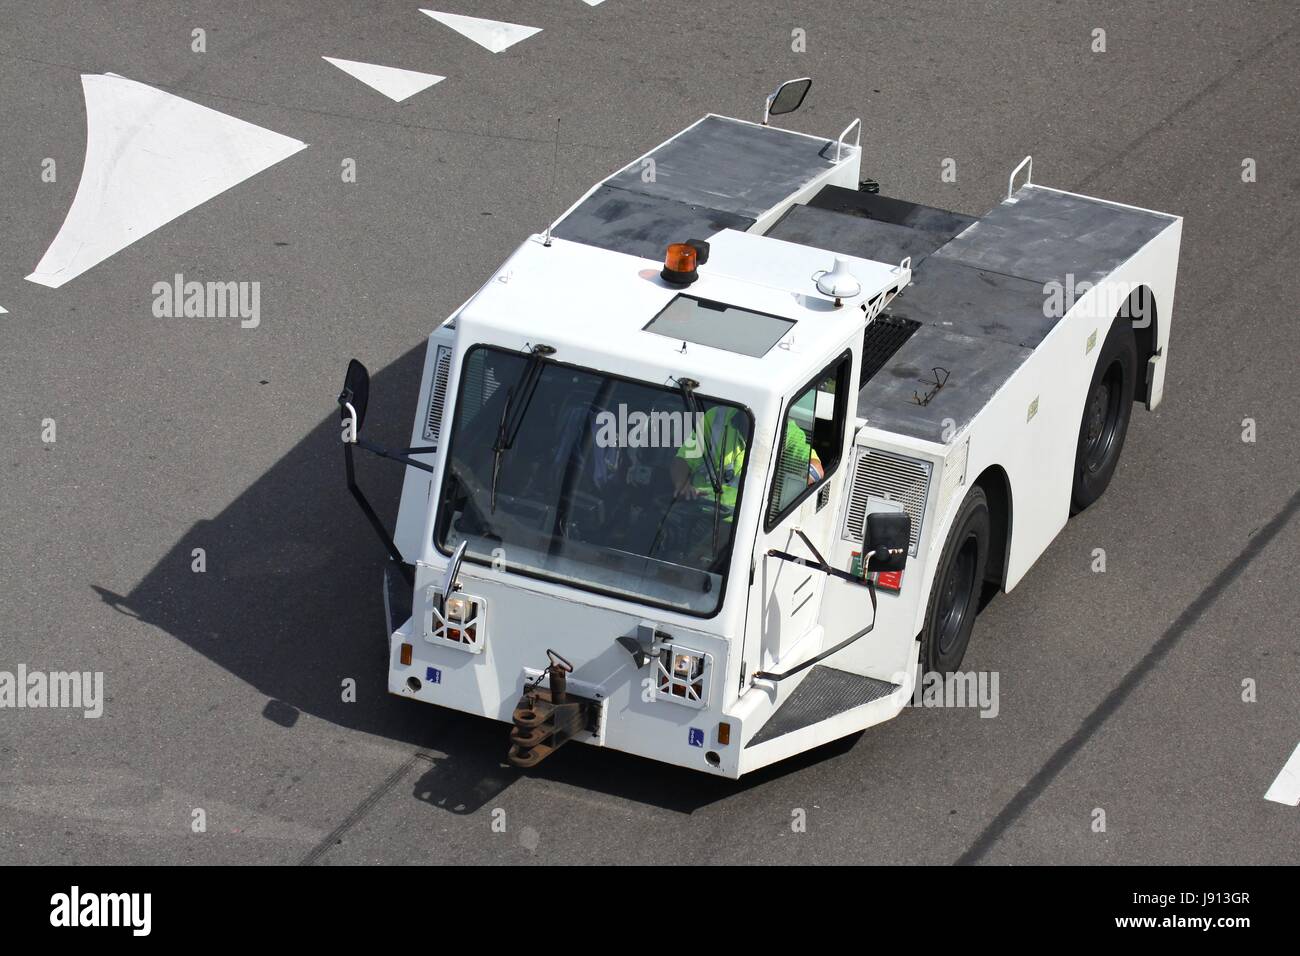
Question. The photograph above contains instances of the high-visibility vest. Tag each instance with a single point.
(727, 443)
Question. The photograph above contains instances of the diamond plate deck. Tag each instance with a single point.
(824, 693)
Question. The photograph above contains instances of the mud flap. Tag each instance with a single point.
(397, 599)
(1155, 379)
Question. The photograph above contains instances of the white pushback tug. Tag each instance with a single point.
(716, 467)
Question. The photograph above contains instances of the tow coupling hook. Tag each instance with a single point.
(547, 717)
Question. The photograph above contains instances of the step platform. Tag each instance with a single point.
(826, 692)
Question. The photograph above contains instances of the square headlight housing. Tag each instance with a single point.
(682, 675)
(459, 622)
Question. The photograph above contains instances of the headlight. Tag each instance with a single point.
(459, 622)
(459, 610)
(682, 675)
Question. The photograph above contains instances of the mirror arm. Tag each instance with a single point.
(404, 456)
(823, 567)
(833, 572)
(821, 564)
(406, 570)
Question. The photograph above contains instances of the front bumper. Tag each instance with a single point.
(520, 627)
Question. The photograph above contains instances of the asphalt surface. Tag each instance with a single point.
(1120, 691)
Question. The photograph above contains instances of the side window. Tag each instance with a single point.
(810, 439)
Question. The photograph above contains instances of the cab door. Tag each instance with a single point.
(809, 459)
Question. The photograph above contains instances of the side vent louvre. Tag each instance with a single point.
(890, 477)
(438, 395)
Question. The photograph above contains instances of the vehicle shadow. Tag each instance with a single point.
(291, 603)
(291, 598)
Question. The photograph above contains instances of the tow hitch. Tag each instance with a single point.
(548, 717)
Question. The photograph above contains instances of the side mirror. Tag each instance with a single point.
(355, 395)
(787, 98)
(888, 538)
(453, 571)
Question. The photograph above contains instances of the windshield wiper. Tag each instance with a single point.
(518, 397)
(687, 387)
(713, 469)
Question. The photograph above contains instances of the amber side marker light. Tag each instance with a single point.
(406, 655)
(724, 734)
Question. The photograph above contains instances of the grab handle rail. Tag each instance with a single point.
(857, 140)
(1029, 176)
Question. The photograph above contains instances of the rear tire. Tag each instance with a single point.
(958, 582)
(1107, 409)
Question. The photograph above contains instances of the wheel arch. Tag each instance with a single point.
(1142, 311)
(997, 490)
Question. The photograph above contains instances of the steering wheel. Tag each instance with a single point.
(687, 522)
(701, 506)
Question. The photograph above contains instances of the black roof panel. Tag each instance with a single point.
(641, 225)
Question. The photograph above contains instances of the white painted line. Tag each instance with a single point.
(494, 35)
(394, 83)
(150, 157)
(593, 3)
(3, 310)
(1286, 788)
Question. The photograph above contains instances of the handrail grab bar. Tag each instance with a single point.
(857, 141)
(1029, 176)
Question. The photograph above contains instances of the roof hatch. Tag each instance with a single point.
(720, 326)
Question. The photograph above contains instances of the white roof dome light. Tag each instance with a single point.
(839, 282)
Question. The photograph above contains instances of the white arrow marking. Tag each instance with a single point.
(494, 35)
(1286, 788)
(150, 157)
(394, 83)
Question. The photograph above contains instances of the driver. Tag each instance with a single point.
(722, 433)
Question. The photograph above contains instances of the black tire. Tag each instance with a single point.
(1107, 408)
(958, 583)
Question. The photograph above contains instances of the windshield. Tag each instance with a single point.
(605, 483)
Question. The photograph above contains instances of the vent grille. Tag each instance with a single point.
(880, 474)
(884, 336)
(438, 395)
